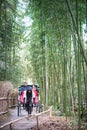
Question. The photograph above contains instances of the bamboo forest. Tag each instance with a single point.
(45, 42)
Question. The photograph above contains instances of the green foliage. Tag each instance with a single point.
(51, 51)
(10, 33)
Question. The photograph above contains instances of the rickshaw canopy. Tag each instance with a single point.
(23, 88)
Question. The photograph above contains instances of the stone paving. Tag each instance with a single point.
(24, 124)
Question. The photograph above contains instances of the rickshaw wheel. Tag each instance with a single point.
(19, 108)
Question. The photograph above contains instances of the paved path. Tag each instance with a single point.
(20, 125)
(25, 123)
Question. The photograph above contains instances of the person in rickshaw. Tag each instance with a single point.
(23, 95)
(35, 95)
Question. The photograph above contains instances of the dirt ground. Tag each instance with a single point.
(56, 123)
(53, 123)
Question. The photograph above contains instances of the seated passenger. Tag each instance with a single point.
(35, 95)
(23, 94)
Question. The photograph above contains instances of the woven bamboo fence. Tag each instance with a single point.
(8, 96)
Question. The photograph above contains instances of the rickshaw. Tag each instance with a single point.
(25, 99)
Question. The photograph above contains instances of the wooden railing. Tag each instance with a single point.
(33, 116)
(39, 114)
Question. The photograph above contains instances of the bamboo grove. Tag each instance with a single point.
(10, 35)
(56, 51)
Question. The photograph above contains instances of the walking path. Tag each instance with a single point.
(24, 124)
